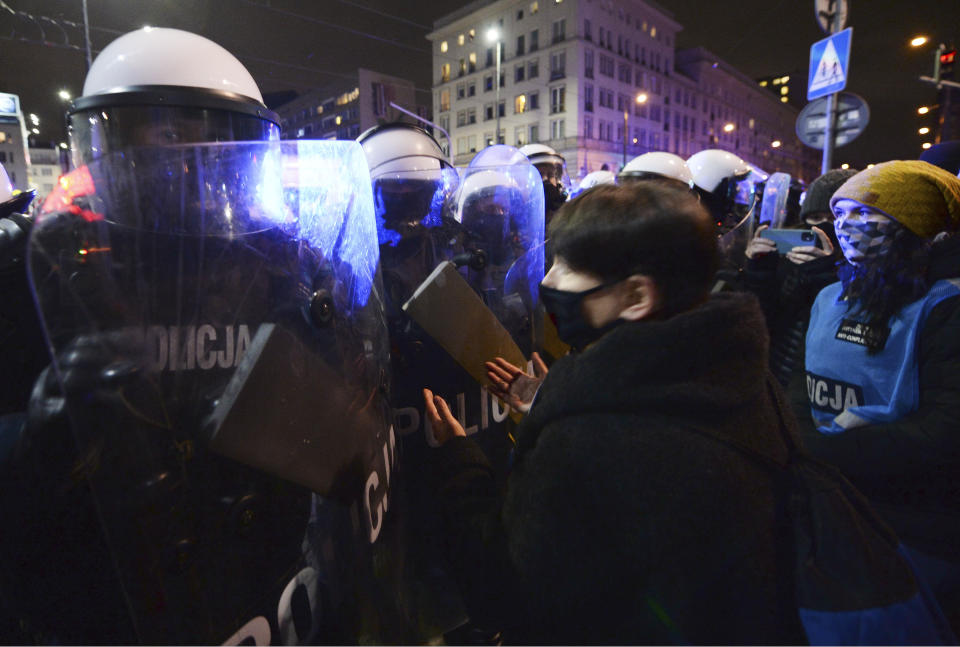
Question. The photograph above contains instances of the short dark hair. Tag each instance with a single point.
(613, 232)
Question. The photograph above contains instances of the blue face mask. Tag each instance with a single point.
(865, 240)
(566, 310)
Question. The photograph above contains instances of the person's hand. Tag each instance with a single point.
(512, 385)
(759, 246)
(803, 254)
(445, 425)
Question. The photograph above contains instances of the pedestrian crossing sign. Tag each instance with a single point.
(829, 64)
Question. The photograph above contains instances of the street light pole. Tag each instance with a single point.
(640, 99)
(626, 112)
(496, 137)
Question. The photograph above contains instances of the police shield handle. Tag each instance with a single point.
(449, 310)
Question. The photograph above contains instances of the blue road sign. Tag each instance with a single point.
(829, 64)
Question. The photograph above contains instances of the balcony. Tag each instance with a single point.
(556, 75)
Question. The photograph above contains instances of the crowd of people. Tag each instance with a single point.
(618, 488)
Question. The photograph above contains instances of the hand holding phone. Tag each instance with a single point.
(786, 239)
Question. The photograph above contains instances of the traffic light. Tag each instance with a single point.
(947, 59)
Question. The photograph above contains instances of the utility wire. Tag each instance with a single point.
(385, 15)
(356, 32)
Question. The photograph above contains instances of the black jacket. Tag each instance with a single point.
(786, 292)
(619, 523)
(910, 469)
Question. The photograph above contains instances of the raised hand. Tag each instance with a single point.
(512, 385)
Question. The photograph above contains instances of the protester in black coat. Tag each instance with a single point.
(787, 284)
(620, 522)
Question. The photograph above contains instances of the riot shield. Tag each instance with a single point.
(484, 224)
(733, 246)
(773, 203)
(208, 455)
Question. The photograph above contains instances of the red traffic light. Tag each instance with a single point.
(947, 58)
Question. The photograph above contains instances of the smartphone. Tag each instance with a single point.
(787, 239)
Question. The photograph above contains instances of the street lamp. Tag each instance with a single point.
(640, 99)
(918, 41)
(922, 110)
(728, 128)
(493, 34)
(64, 95)
(926, 145)
(776, 143)
(924, 130)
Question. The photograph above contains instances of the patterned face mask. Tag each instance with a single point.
(865, 237)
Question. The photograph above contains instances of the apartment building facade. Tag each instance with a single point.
(347, 107)
(600, 81)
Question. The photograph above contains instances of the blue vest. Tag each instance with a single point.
(847, 386)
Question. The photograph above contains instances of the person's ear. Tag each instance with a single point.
(641, 298)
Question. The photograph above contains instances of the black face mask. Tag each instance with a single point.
(566, 310)
(555, 197)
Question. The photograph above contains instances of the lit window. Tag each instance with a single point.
(460, 39)
(534, 6)
(763, 84)
(443, 46)
(472, 33)
(520, 104)
(784, 99)
(653, 31)
(785, 79)
(784, 90)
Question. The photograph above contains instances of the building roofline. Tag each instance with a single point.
(702, 53)
(454, 16)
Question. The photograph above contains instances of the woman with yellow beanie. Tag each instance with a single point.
(883, 359)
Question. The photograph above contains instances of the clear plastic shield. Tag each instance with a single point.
(213, 434)
(773, 203)
(733, 247)
(491, 224)
(501, 209)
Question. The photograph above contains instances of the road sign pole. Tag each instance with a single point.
(828, 135)
(835, 18)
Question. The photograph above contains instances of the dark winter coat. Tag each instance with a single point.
(786, 292)
(620, 524)
(910, 469)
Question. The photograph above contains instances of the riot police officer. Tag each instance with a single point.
(209, 449)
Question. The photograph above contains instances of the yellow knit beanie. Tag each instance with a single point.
(922, 197)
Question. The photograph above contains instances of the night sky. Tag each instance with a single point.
(300, 45)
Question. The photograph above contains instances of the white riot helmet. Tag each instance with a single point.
(6, 188)
(711, 167)
(542, 154)
(553, 170)
(412, 179)
(11, 202)
(596, 178)
(165, 86)
(402, 148)
(722, 181)
(657, 166)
